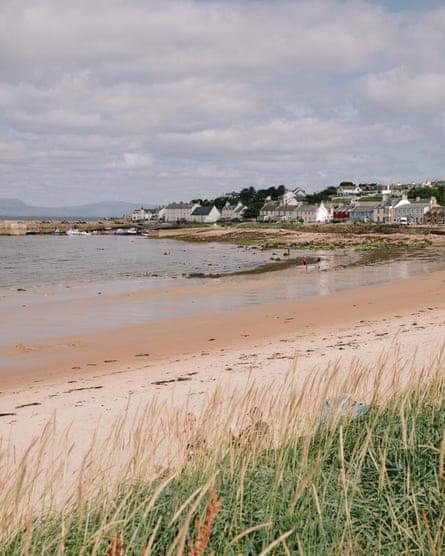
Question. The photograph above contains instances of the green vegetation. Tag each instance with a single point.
(324, 195)
(254, 200)
(278, 264)
(249, 196)
(427, 192)
(372, 484)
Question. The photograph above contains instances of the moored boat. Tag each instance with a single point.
(76, 232)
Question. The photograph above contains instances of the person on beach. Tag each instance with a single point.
(318, 263)
(305, 264)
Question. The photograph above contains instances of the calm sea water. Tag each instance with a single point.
(62, 260)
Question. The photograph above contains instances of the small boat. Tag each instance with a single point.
(76, 232)
(126, 231)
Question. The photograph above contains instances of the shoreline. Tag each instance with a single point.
(79, 355)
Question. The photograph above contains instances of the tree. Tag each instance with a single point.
(325, 195)
(247, 194)
(427, 192)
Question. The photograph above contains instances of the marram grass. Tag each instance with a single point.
(348, 486)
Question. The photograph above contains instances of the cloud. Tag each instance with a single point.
(152, 101)
(399, 92)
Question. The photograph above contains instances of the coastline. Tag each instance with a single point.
(111, 346)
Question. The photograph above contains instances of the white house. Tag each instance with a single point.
(229, 212)
(413, 212)
(299, 194)
(289, 198)
(274, 211)
(324, 214)
(140, 215)
(177, 212)
(205, 214)
(349, 190)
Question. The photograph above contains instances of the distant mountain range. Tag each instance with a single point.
(13, 208)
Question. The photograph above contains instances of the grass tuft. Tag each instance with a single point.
(344, 483)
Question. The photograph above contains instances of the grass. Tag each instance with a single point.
(372, 484)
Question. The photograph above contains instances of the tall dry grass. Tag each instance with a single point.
(340, 486)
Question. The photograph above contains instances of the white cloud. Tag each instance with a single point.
(163, 100)
(398, 92)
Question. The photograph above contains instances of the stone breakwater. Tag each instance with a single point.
(12, 228)
(23, 227)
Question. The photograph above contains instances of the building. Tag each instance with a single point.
(274, 211)
(413, 212)
(293, 197)
(384, 212)
(363, 211)
(143, 215)
(349, 190)
(308, 213)
(205, 214)
(268, 212)
(231, 212)
(177, 212)
(341, 213)
(435, 216)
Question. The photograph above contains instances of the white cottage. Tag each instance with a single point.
(177, 212)
(142, 215)
(205, 214)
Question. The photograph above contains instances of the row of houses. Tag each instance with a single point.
(189, 212)
(350, 190)
(388, 210)
(392, 210)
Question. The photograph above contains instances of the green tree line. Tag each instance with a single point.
(249, 196)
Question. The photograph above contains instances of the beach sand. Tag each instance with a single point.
(80, 386)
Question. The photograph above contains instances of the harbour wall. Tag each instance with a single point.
(13, 228)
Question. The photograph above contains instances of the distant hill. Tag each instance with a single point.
(13, 208)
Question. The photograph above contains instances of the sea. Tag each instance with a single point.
(34, 260)
(39, 272)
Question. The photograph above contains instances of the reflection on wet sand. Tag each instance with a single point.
(86, 311)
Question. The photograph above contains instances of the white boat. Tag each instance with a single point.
(76, 232)
(126, 231)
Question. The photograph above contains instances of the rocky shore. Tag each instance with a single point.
(337, 236)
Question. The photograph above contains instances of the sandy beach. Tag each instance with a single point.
(80, 386)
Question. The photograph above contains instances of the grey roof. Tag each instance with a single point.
(202, 211)
(309, 208)
(180, 206)
(270, 205)
(363, 209)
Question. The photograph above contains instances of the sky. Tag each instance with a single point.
(154, 101)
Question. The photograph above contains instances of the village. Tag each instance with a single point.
(410, 205)
(382, 204)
